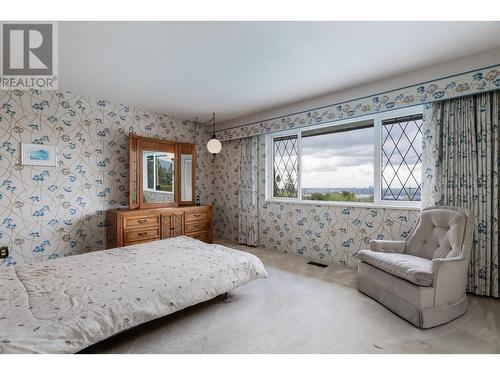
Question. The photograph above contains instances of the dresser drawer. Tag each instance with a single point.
(202, 236)
(141, 221)
(139, 235)
(197, 226)
(197, 216)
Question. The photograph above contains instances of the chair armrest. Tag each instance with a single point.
(384, 246)
(450, 279)
(438, 263)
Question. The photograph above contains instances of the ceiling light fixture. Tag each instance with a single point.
(214, 146)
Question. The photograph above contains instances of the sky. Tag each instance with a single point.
(345, 160)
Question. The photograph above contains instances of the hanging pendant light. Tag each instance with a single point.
(214, 146)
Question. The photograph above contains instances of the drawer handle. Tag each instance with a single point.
(142, 234)
(142, 221)
(197, 215)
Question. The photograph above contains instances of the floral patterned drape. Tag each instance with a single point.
(430, 154)
(461, 165)
(248, 212)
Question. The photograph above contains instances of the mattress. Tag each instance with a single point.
(67, 304)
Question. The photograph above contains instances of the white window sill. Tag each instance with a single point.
(394, 206)
(159, 191)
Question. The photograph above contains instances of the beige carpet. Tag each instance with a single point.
(305, 309)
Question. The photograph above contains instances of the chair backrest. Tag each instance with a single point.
(442, 232)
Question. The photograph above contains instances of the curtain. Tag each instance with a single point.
(430, 154)
(461, 161)
(248, 214)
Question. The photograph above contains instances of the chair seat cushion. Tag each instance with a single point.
(414, 269)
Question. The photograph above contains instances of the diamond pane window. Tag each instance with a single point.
(401, 169)
(285, 167)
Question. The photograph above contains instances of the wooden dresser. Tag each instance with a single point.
(128, 227)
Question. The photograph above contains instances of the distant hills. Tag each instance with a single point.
(366, 190)
(360, 192)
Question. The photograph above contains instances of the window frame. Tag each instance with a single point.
(377, 119)
(270, 164)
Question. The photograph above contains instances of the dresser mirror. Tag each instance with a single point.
(133, 199)
(161, 173)
(186, 169)
(158, 176)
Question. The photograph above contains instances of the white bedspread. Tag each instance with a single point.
(67, 304)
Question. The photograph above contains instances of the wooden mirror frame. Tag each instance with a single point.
(139, 144)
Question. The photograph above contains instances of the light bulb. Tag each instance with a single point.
(214, 146)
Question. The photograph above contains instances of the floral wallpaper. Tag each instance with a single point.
(205, 180)
(155, 196)
(49, 212)
(248, 197)
(477, 81)
(329, 234)
(227, 177)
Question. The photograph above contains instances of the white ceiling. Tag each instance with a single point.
(189, 69)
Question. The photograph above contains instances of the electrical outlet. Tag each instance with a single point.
(4, 252)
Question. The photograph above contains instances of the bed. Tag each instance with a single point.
(67, 304)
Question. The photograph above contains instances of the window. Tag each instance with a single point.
(402, 158)
(158, 171)
(337, 163)
(285, 167)
(372, 160)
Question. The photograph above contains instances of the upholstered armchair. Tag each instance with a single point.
(422, 279)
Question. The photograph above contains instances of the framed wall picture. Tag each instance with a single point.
(34, 154)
